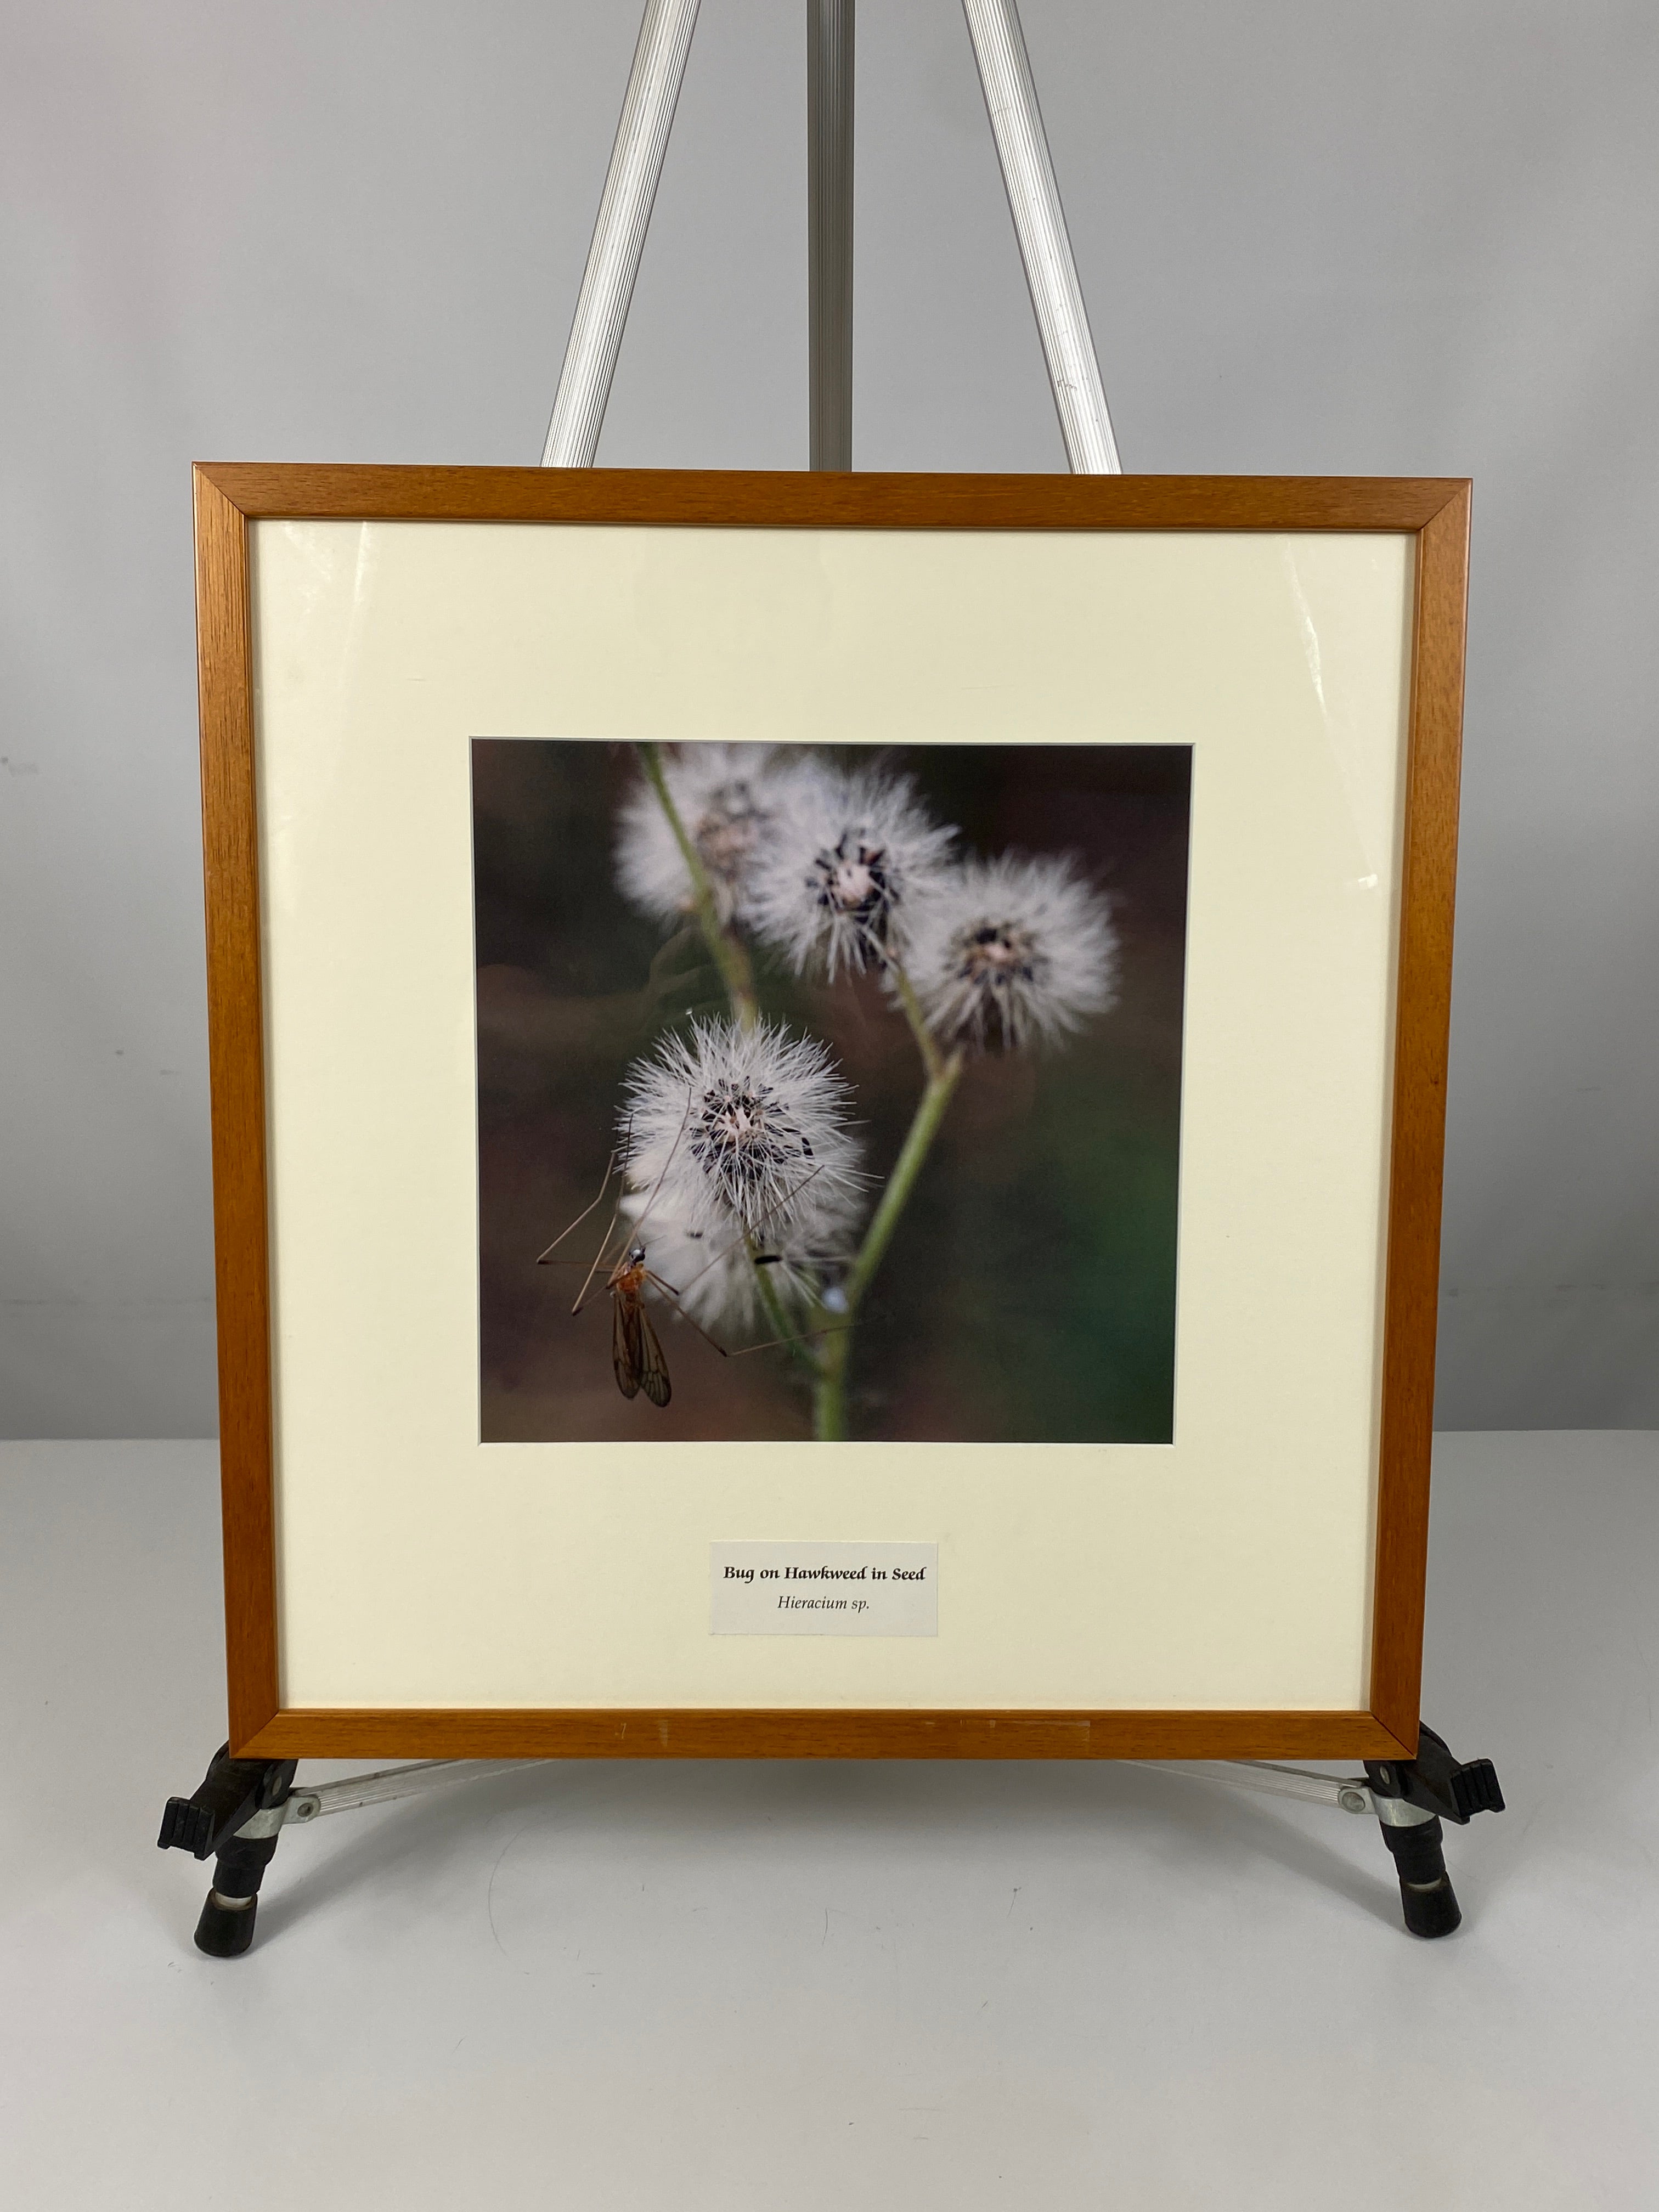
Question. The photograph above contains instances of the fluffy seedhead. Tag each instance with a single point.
(846, 862)
(719, 1284)
(741, 1134)
(725, 797)
(1013, 952)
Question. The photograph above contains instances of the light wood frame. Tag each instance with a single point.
(229, 496)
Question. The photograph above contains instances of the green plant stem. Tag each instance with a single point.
(830, 1406)
(828, 1365)
(777, 1316)
(727, 953)
(932, 1058)
(731, 957)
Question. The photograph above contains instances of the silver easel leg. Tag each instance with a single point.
(613, 259)
(829, 41)
(1010, 101)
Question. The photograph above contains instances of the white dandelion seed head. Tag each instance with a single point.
(725, 796)
(848, 858)
(1013, 952)
(741, 1133)
(718, 1284)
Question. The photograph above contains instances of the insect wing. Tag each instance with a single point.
(654, 1367)
(626, 1346)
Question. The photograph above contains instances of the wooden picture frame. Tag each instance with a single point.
(230, 498)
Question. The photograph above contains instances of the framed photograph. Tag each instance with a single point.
(827, 1103)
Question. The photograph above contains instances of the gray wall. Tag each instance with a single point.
(1315, 238)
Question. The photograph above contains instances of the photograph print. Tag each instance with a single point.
(829, 1092)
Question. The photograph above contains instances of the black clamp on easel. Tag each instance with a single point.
(1411, 1798)
(233, 1818)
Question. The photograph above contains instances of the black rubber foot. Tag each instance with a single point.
(1430, 1911)
(1426, 1894)
(225, 1931)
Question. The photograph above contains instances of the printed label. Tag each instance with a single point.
(823, 1590)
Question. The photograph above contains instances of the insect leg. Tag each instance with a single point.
(771, 1343)
(657, 1283)
(616, 1158)
(656, 1188)
(615, 1211)
(810, 1337)
(598, 1259)
(739, 1242)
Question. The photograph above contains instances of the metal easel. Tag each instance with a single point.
(613, 259)
(242, 1806)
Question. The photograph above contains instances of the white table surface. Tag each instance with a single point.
(688, 1986)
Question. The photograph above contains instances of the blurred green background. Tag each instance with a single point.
(1029, 1295)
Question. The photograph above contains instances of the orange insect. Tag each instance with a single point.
(636, 1352)
(636, 1357)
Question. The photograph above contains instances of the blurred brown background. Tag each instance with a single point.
(1029, 1294)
